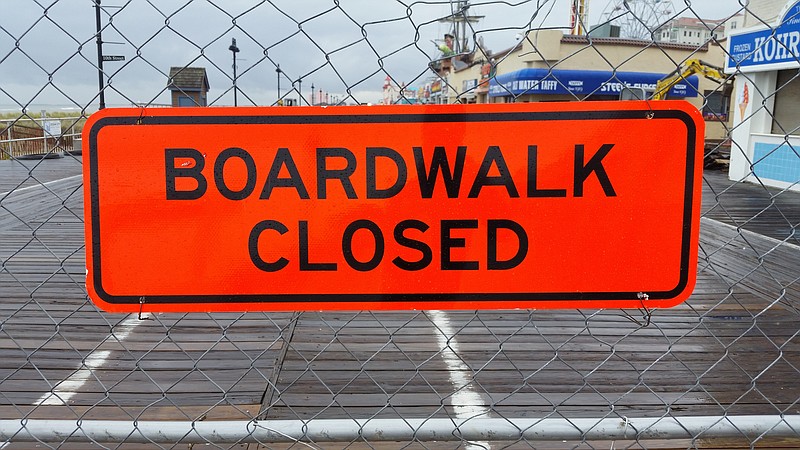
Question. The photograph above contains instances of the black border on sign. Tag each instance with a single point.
(395, 118)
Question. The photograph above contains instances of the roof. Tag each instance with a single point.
(694, 22)
(576, 39)
(502, 53)
(188, 79)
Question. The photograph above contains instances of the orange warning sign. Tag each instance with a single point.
(538, 205)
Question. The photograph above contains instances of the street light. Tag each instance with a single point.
(278, 71)
(234, 49)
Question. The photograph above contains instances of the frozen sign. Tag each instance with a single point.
(762, 49)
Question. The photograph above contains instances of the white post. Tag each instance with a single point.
(10, 142)
(44, 131)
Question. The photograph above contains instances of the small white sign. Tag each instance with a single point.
(52, 128)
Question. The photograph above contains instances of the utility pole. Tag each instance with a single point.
(100, 77)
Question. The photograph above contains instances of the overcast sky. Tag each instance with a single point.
(48, 52)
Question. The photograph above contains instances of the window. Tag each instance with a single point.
(716, 105)
(786, 114)
(186, 101)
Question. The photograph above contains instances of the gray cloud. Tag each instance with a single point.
(49, 56)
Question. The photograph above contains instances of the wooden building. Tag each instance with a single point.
(188, 86)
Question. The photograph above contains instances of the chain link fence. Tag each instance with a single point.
(719, 370)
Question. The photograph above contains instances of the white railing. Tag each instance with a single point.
(18, 137)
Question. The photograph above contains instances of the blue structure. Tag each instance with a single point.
(583, 83)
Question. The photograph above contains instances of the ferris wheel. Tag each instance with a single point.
(638, 19)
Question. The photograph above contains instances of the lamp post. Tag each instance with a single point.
(234, 49)
(278, 71)
(300, 91)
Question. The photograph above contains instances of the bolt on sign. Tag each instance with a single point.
(538, 205)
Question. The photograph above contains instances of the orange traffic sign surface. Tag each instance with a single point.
(537, 205)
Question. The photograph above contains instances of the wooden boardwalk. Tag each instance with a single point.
(758, 208)
(733, 348)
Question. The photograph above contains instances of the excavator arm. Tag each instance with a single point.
(691, 67)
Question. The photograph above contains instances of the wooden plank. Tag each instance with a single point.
(729, 349)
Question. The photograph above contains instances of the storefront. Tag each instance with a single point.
(530, 84)
(766, 110)
(437, 92)
(552, 66)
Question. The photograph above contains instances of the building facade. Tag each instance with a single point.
(695, 31)
(548, 65)
(766, 110)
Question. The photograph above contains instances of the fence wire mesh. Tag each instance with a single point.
(719, 370)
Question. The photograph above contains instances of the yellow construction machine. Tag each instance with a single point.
(689, 68)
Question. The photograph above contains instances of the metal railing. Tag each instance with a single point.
(24, 138)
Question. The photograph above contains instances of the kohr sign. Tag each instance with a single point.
(764, 49)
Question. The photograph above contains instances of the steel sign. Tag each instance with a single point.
(537, 205)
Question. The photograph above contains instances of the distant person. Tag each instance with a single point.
(447, 47)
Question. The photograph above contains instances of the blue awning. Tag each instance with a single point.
(583, 82)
